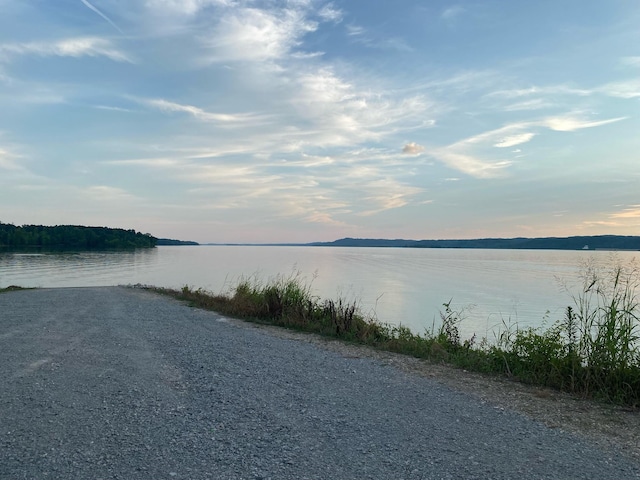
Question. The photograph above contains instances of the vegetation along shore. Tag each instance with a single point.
(592, 351)
(72, 236)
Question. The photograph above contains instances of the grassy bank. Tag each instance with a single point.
(592, 351)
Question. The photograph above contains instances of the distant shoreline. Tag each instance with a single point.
(587, 243)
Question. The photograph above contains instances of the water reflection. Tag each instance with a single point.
(405, 286)
(74, 269)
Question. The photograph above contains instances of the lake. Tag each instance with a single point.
(396, 285)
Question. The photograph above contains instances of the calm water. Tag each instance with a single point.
(405, 286)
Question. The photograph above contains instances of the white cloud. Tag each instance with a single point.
(107, 19)
(573, 123)
(534, 104)
(412, 149)
(513, 140)
(164, 162)
(330, 13)
(369, 39)
(453, 12)
(104, 193)
(336, 112)
(251, 34)
(632, 211)
(625, 89)
(467, 154)
(541, 91)
(111, 108)
(388, 194)
(199, 113)
(355, 30)
(72, 47)
(465, 162)
(621, 89)
(631, 61)
(7, 161)
(183, 7)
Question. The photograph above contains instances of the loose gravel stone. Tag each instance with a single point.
(111, 383)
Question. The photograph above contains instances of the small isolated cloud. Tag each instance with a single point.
(412, 149)
(513, 140)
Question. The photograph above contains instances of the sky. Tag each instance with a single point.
(246, 121)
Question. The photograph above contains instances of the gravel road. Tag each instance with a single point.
(117, 383)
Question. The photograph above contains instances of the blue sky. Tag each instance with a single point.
(305, 120)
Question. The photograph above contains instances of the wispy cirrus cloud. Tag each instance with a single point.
(629, 212)
(528, 105)
(8, 160)
(631, 61)
(371, 39)
(469, 155)
(252, 34)
(513, 140)
(624, 89)
(453, 12)
(201, 114)
(540, 91)
(184, 7)
(571, 123)
(106, 193)
(388, 194)
(628, 89)
(330, 13)
(355, 30)
(107, 19)
(71, 47)
(469, 163)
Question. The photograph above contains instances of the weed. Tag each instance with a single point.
(592, 351)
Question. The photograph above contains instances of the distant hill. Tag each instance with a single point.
(598, 242)
(172, 242)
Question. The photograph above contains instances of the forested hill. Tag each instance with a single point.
(72, 236)
(598, 242)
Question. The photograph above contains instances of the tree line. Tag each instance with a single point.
(594, 242)
(72, 236)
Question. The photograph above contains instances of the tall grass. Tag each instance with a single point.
(593, 351)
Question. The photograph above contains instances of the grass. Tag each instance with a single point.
(592, 351)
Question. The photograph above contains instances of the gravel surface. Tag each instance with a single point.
(116, 383)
